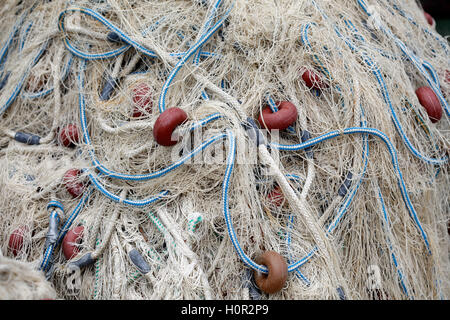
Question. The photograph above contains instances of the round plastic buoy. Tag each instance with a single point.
(69, 135)
(15, 243)
(73, 185)
(429, 18)
(282, 119)
(278, 272)
(313, 80)
(142, 100)
(166, 124)
(430, 102)
(71, 241)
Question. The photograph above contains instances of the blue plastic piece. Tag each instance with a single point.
(114, 37)
(346, 185)
(108, 88)
(139, 261)
(341, 293)
(254, 132)
(84, 261)
(27, 138)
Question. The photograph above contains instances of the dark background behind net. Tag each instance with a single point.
(440, 10)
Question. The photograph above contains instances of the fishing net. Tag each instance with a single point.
(353, 194)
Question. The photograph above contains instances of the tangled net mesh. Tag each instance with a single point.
(384, 237)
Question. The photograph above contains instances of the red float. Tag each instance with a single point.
(276, 197)
(73, 185)
(71, 241)
(429, 18)
(278, 271)
(69, 135)
(282, 119)
(166, 124)
(430, 102)
(142, 100)
(15, 243)
(313, 80)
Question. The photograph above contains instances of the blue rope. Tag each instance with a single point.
(19, 84)
(4, 50)
(394, 159)
(138, 203)
(8, 45)
(56, 204)
(23, 38)
(298, 273)
(417, 62)
(443, 44)
(182, 61)
(136, 177)
(360, 38)
(207, 26)
(46, 261)
(387, 227)
(383, 88)
(46, 92)
(66, 226)
(128, 42)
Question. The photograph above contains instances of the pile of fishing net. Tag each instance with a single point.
(175, 149)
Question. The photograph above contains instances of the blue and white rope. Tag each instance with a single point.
(385, 93)
(46, 92)
(386, 225)
(55, 209)
(19, 84)
(136, 177)
(182, 61)
(128, 42)
(394, 159)
(137, 203)
(417, 62)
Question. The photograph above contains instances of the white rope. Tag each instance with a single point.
(180, 241)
